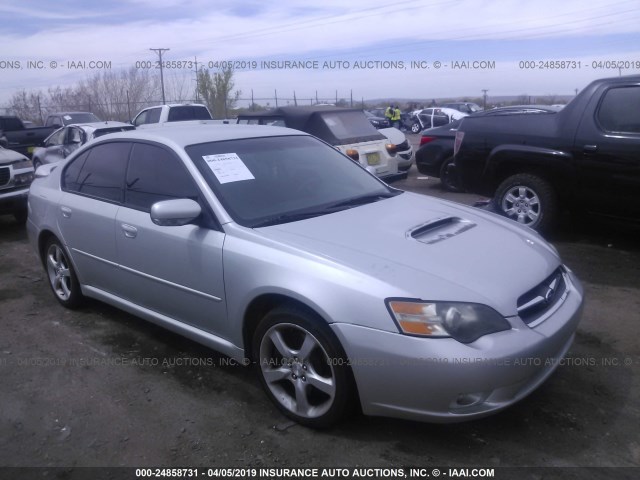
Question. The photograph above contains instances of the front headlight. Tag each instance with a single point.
(23, 164)
(23, 178)
(464, 322)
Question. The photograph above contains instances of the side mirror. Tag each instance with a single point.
(174, 213)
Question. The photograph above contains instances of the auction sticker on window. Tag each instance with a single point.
(228, 167)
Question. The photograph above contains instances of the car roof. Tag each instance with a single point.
(69, 113)
(310, 119)
(297, 116)
(184, 135)
(99, 125)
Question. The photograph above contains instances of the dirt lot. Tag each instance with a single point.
(98, 387)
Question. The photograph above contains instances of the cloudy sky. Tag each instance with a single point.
(372, 48)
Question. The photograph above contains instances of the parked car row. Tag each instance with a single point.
(435, 153)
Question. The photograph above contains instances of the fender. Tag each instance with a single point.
(508, 158)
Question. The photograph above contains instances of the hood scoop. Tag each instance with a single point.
(440, 229)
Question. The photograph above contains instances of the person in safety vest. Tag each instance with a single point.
(388, 114)
(395, 119)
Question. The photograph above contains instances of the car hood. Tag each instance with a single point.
(426, 248)
(9, 156)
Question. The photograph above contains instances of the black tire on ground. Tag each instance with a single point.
(528, 199)
(61, 275)
(302, 367)
(448, 180)
(20, 216)
(415, 127)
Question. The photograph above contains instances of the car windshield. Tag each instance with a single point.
(104, 131)
(80, 118)
(349, 126)
(273, 180)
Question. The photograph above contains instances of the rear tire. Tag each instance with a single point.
(528, 199)
(448, 181)
(61, 275)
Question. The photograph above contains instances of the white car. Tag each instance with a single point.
(404, 149)
(66, 140)
(346, 129)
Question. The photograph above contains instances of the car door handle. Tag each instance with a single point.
(66, 212)
(590, 148)
(129, 231)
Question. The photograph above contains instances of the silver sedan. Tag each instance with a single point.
(275, 249)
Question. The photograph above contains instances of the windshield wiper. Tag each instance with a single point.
(334, 207)
(290, 217)
(363, 199)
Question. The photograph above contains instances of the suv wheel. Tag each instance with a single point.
(446, 178)
(527, 199)
(415, 127)
(302, 367)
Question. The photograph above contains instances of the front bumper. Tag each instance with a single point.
(442, 380)
(394, 177)
(13, 200)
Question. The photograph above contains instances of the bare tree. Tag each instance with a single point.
(119, 95)
(26, 105)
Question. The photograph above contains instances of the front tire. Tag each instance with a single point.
(415, 127)
(62, 277)
(302, 367)
(527, 199)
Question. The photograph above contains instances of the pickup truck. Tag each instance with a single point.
(584, 158)
(16, 174)
(162, 114)
(14, 135)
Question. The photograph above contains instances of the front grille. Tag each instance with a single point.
(401, 147)
(5, 175)
(537, 301)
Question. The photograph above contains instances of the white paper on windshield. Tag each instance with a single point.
(67, 117)
(228, 167)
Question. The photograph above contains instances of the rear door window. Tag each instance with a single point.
(620, 110)
(99, 172)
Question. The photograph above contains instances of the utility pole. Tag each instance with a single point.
(484, 91)
(160, 51)
(197, 81)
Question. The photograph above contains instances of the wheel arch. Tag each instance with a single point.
(551, 165)
(43, 239)
(264, 303)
